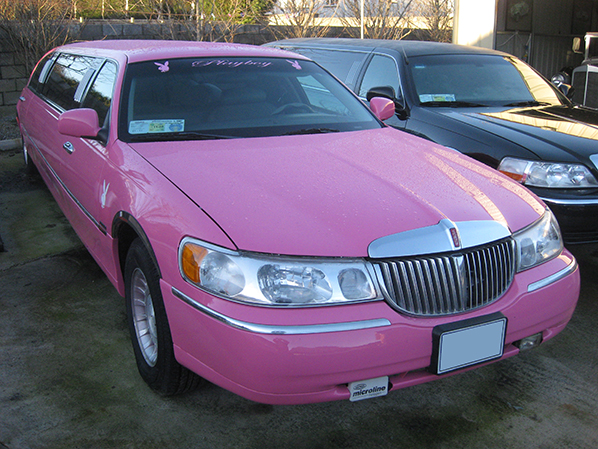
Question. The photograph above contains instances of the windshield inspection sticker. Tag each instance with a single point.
(366, 389)
(156, 126)
(436, 97)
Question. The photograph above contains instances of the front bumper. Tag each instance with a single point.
(577, 219)
(292, 356)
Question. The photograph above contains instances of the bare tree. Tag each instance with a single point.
(436, 17)
(33, 27)
(382, 19)
(299, 18)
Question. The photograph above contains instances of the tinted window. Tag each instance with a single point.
(478, 79)
(40, 72)
(343, 64)
(235, 97)
(67, 79)
(99, 96)
(382, 71)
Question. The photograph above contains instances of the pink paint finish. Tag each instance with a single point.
(328, 193)
(292, 369)
(382, 107)
(338, 192)
(79, 123)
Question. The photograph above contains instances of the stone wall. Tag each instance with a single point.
(12, 80)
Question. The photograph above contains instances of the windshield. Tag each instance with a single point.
(479, 80)
(215, 98)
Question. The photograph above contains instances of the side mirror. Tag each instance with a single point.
(576, 45)
(389, 92)
(383, 108)
(566, 89)
(381, 91)
(80, 122)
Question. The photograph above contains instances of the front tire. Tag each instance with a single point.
(149, 328)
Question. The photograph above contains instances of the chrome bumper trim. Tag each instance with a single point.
(553, 278)
(565, 202)
(282, 330)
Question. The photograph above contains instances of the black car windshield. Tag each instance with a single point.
(231, 97)
(479, 80)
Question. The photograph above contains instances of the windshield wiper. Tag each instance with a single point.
(186, 135)
(452, 104)
(311, 131)
(527, 103)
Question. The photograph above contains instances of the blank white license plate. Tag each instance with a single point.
(469, 342)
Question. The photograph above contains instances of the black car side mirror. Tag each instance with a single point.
(388, 92)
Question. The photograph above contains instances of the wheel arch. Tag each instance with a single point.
(125, 229)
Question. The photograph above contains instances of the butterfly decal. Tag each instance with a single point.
(163, 67)
(295, 64)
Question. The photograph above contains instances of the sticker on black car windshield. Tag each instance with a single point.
(436, 97)
(156, 126)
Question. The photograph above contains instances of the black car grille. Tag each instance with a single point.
(448, 283)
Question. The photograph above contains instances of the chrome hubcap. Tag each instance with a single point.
(144, 317)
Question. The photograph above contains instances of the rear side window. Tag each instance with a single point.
(68, 78)
(343, 64)
(382, 71)
(99, 96)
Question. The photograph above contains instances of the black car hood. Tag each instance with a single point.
(554, 133)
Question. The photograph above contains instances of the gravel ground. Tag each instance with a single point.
(9, 128)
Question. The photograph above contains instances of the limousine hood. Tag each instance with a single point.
(554, 133)
(333, 194)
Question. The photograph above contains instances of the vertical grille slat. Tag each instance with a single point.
(448, 284)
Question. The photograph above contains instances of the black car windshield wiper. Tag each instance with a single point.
(452, 104)
(186, 135)
(311, 131)
(527, 103)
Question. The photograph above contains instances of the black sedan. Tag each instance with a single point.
(486, 104)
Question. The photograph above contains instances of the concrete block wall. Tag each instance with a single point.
(13, 78)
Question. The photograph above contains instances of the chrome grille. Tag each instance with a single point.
(448, 283)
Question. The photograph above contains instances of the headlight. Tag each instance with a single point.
(275, 280)
(548, 174)
(539, 242)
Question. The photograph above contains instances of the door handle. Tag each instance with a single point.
(68, 147)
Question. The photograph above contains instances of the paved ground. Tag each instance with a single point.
(68, 378)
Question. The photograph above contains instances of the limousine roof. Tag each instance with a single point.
(406, 47)
(147, 50)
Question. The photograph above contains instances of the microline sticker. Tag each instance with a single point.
(156, 126)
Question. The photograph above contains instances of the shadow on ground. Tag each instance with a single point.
(68, 378)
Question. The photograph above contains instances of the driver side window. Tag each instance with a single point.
(382, 71)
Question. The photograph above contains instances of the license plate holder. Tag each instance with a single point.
(467, 343)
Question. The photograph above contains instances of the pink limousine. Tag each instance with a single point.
(270, 233)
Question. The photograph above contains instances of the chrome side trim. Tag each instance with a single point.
(282, 330)
(565, 202)
(101, 227)
(553, 278)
